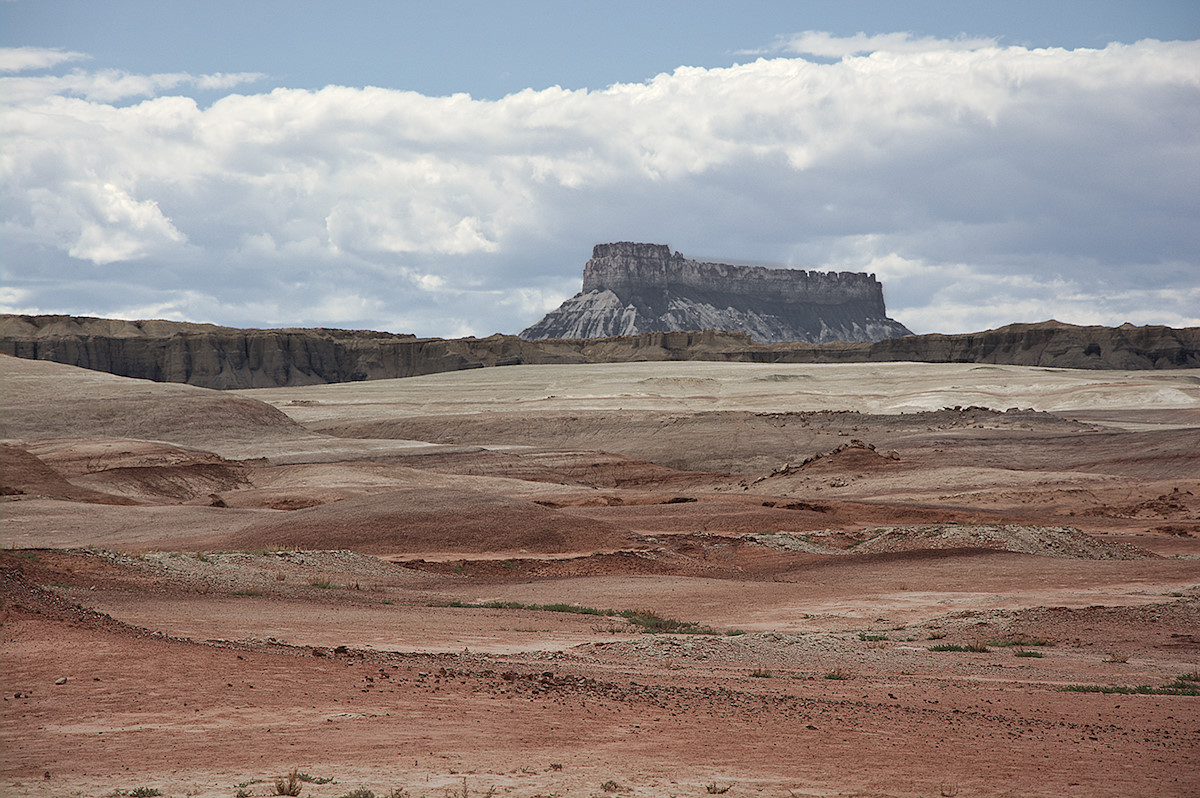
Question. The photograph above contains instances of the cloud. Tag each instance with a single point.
(826, 45)
(26, 59)
(983, 184)
(111, 85)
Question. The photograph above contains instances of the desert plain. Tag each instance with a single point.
(638, 579)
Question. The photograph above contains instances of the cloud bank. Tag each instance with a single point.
(26, 59)
(982, 184)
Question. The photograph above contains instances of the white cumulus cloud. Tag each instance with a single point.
(27, 59)
(827, 45)
(111, 85)
(983, 184)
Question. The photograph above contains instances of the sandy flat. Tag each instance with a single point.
(699, 386)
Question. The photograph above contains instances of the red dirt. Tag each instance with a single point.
(23, 474)
(429, 519)
(352, 638)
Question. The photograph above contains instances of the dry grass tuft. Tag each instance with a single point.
(289, 784)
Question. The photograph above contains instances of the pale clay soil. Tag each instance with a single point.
(203, 591)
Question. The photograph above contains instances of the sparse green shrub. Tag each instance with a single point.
(651, 621)
(712, 789)
(647, 620)
(314, 779)
(361, 792)
(870, 638)
(974, 648)
(144, 792)
(761, 673)
(1181, 687)
(1020, 642)
(838, 674)
(1175, 688)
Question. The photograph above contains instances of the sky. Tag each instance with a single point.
(444, 168)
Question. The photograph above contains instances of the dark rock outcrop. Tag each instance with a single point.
(631, 288)
(224, 357)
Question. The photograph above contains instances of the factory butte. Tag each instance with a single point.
(631, 288)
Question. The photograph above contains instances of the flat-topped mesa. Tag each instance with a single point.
(631, 288)
(627, 269)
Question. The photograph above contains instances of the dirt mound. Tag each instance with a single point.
(853, 456)
(1171, 625)
(708, 441)
(19, 596)
(247, 573)
(169, 483)
(696, 555)
(799, 543)
(430, 520)
(1065, 542)
(137, 470)
(24, 474)
(1176, 505)
(49, 400)
(708, 515)
(594, 469)
(74, 457)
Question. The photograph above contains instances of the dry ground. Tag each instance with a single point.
(366, 582)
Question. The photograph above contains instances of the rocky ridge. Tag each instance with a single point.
(223, 357)
(631, 288)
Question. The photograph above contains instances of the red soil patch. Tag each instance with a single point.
(430, 519)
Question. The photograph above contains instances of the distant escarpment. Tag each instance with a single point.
(629, 289)
(224, 357)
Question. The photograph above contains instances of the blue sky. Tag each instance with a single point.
(489, 49)
(991, 162)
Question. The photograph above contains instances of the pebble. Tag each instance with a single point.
(63, 680)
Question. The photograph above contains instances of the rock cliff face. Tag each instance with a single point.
(223, 357)
(629, 289)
